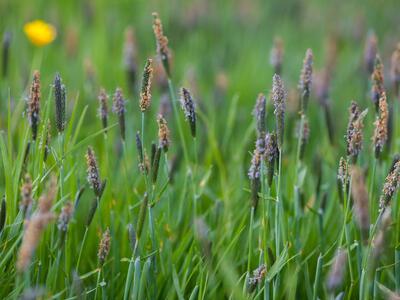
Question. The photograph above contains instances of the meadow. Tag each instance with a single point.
(199, 149)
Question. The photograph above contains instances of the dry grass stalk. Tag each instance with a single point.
(36, 226)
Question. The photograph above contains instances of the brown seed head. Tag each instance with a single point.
(381, 125)
(354, 136)
(93, 175)
(163, 133)
(161, 41)
(34, 104)
(390, 186)
(145, 93)
(35, 227)
(104, 247)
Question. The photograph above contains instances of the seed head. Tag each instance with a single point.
(377, 81)
(256, 279)
(34, 104)
(306, 79)
(145, 95)
(65, 216)
(59, 97)
(390, 186)
(163, 133)
(119, 109)
(381, 126)
(93, 175)
(103, 107)
(354, 136)
(279, 99)
(259, 114)
(162, 43)
(188, 107)
(276, 55)
(104, 247)
(370, 51)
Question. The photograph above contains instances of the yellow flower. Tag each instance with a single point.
(40, 33)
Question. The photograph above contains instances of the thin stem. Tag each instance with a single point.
(98, 283)
(250, 246)
(278, 204)
(61, 145)
(81, 249)
(127, 289)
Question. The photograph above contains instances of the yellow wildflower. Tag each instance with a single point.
(40, 33)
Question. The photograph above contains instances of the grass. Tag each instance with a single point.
(191, 232)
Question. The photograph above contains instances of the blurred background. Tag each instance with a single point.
(207, 37)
